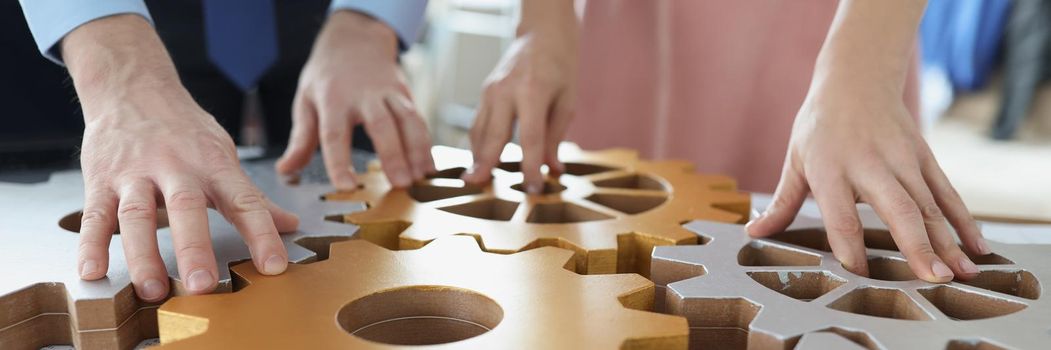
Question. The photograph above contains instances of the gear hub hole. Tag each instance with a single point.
(420, 315)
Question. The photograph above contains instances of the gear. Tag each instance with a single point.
(610, 208)
(44, 301)
(448, 292)
(768, 293)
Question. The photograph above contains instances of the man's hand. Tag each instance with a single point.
(535, 84)
(352, 77)
(147, 145)
(855, 141)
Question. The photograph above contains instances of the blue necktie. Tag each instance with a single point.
(242, 38)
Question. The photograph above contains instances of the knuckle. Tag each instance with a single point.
(931, 211)
(380, 122)
(135, 210)
(904, 207)
(329, 135)
(94, 218)
(142, 260)
(248, 202)
(186, 200)
(192, 249)
(845, 225)
(923, 249)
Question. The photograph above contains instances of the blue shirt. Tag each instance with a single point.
(51, 20)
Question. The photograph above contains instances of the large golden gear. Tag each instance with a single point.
(609, 207)
(449, 293)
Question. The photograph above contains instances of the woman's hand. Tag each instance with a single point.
(535, 85)
(858, 143)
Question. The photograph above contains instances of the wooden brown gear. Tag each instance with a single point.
(610, 208)
(448, 293)
(772, 293)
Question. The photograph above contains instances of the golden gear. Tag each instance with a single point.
(449, 293)
(610, 208)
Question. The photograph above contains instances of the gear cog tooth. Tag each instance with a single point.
(452, 245)
(549, 256)
(360, 247)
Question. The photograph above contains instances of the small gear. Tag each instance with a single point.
(608, 207)
(448, 293)
(768, 293)
(45, 302)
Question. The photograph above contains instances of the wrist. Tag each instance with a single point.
(355, 28)
(116, 60)
(555, 16)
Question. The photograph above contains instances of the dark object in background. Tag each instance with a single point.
(962, 38)
(1027, 41)
(40, 122)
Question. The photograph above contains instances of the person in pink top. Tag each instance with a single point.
(718, 83)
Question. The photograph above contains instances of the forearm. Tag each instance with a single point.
(553, 14)
(113, 57)
(870, 42)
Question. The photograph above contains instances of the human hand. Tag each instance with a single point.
(352, 77)
(535, 84)
(854, 143)
(147, 145)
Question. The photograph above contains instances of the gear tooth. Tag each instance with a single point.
(550, 256)
(453, 245)
(244, 271)
(633, 291)
(716, 214)
(356, 247)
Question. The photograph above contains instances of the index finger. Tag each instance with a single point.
(336, 136)
(533, 106)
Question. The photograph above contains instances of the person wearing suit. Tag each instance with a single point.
(150, 137)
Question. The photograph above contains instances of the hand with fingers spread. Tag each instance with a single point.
(147, 145)
(352, 77)
(855, 141)
(535, 84)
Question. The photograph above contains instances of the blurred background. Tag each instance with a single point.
(986, 111)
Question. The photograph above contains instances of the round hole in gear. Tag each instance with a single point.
(420, 315)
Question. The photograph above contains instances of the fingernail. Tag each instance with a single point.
(967, 266)
(983, 247)
(534, 188)
(199, 281)
(88, 268)
(940, 270)
(274, 265)
(152, 290)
